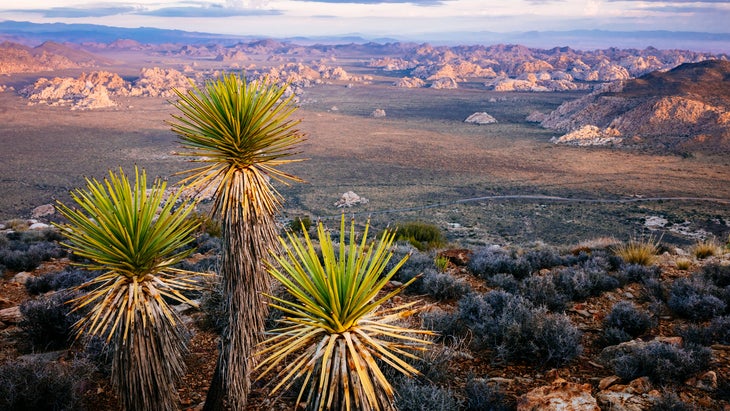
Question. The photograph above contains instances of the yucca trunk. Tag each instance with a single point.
(246, 244)
(141, 371)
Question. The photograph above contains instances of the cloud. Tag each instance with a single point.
(670, 1)
(72, 12)
(212, 11)
(414, 2)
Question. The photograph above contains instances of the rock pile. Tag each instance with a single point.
(350, 199)
(97, 89)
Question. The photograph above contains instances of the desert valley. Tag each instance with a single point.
(534, 165)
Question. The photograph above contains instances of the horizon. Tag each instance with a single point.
(400, 20)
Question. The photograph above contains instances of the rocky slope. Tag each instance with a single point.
(17, 58)
(686, 108)
(98, 89)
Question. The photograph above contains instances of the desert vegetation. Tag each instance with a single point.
(496, 271)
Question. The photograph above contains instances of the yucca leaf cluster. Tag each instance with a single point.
(336, 329)
(135, 237)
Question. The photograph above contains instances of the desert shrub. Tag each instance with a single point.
(212, 304)
(717, 274)
(613, 336)
(694, 298)
(661, 362)
(299, 224)
(418, 263)
(670, 402)
(206, 243)
(634, 273)
(507, 282)
(421, 235)
(441, 263)
(543, 258)
(641, 252)
(705, 248)
(59, 280)
(22, 255)
(206, 224)
(412, 395)
(446, 324)
(48, 321)
(578, 283)
(36, 385)
(654, 291)
(441, 286)
(515, 329)
(488, 261)
(541, 290)
(483, 396)
(719, 330)
(626, 316)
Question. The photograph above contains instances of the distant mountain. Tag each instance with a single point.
(683, 109)
(17, 58)
(34, 33)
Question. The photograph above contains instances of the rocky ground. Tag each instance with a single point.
(588, 381)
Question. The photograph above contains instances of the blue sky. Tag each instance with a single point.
(395, 18)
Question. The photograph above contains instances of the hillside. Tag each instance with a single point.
(48, 56)
(683, 109)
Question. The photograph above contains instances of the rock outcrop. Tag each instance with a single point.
(480, 118)
(683, 109)
(98, 89)
(350, 199)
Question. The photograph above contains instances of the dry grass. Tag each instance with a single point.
(683, 263)
(706, 248)
(636, 251)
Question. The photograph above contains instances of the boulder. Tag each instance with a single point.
(44, 210)
(21, 277)
(480, 118)
(11, 315)
(349, 199)
(378, 113)
(561, 395)
(444, 83)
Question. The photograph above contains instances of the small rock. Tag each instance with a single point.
(641, 385)
(608, 381)
(560, 395)
(11, 315)
(480, 118)
(21, 277)
(707, 381)
(44, 210)
(38, 226)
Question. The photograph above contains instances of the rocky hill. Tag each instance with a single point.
(683, 109)
(98, 89)
(17, 58)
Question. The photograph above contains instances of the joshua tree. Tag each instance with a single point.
(241, 132)
(135, 237)
(334, 329)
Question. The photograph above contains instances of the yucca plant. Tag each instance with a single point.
(241, 132)
(335, 329)
(135, 237)
(641, 252)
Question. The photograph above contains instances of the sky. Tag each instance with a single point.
(374, 18)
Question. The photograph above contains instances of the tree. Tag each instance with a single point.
(242, 134)
(135, 237)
